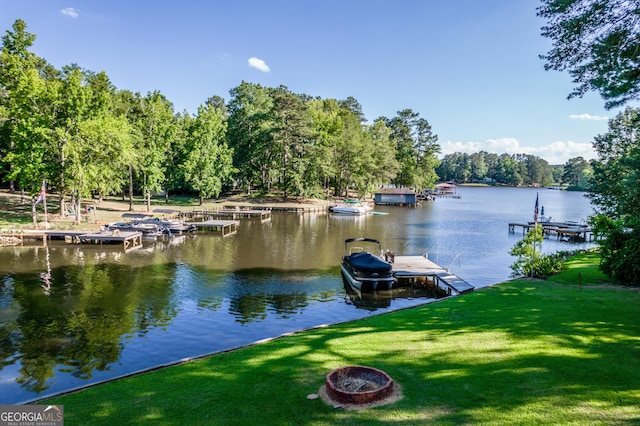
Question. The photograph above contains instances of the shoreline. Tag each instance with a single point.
(15, 215)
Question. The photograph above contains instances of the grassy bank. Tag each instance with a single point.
(525, 352)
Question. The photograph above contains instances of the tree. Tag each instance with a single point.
(415, 149)
(350, 161)
(209, 161)
(573, 170)
(598, 43)
(97, 157)
(530, 259)
(156, 129)
(327, 126)
(383, 165)
(249, 134)
(508, 171)
(26, 103)
(615, 190)
(527, 252)
(478, 166)
(291, 139)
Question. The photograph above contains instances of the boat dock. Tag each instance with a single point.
(129, 240)
(291, 209)
(564, 231)
(234, 214)
(416, 270)
(225, 227)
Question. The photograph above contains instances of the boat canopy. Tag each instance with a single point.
(366, 262)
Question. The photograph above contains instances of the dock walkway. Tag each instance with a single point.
(411, 269)
(128, 239)
(225, 227)
(234, 214)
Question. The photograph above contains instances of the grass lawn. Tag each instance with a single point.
(523, 352)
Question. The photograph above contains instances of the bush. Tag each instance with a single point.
(530, 261)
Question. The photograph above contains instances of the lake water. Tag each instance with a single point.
(75, 315)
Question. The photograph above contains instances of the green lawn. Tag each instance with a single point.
(523, 352)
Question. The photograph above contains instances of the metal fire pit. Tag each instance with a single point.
(358, 385)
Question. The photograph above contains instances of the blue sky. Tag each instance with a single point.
(471, 68)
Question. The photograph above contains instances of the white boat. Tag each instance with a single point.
(350, 207)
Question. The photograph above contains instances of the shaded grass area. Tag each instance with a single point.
(15, 210)
(525, 352)
(582, 269)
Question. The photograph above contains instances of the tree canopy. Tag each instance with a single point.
(598, 43)
(615, 190)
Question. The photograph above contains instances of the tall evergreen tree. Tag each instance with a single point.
(250, 124)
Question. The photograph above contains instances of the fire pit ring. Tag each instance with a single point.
(358, 385)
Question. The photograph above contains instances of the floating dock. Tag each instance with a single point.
(416, 270)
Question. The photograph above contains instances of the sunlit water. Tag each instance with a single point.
(75, 315)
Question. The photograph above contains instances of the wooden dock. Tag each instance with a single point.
(234, 214)
(129, 240)
(225, 227)
(412, 270)
(564, 231)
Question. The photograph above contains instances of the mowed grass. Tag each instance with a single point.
(523, 352)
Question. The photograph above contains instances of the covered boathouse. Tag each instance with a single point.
(396, 197)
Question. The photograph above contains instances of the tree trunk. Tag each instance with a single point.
(33, 211)
(130, 188)
(78, 207)
(12, 184)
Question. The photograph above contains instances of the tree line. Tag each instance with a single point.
(512, 169)
(76, 131)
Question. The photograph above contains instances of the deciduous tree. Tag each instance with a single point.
(615, 190)
(209, 161)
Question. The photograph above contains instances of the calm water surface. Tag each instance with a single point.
(75, 315)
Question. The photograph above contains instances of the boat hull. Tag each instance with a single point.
(366, 282)
(354, 211)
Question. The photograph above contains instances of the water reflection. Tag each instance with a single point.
(76, 325)
(373, 300)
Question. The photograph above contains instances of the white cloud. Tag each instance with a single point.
(258, 64)
(588, 117)
(557, 152)
(70, 12)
